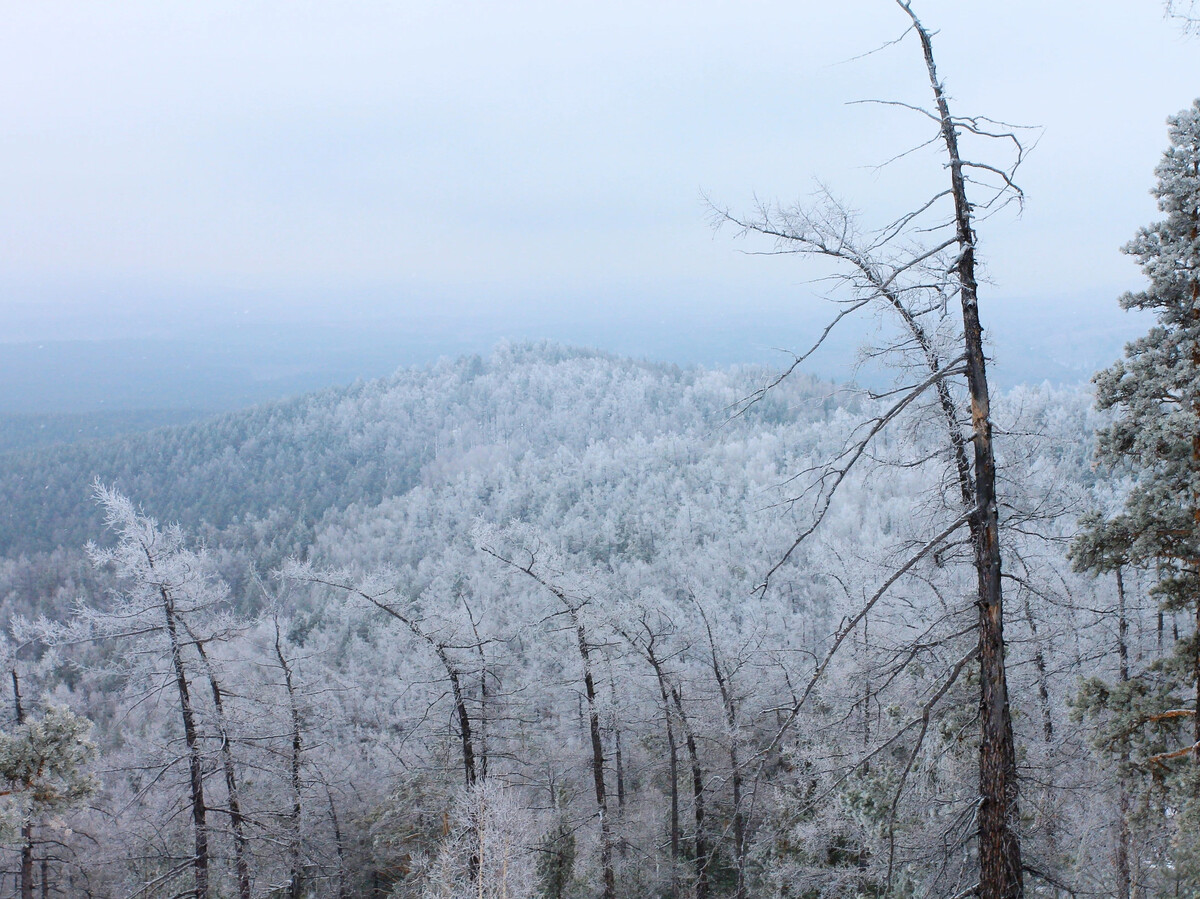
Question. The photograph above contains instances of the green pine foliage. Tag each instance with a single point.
(1147, 722)
(44, 767)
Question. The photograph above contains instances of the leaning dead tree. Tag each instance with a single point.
(916, 269)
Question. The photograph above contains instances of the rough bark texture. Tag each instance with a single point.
(1001, 873)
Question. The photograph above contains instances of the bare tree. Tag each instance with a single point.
(532, 564)
(237, 820)
(1186, 13)
(647, 640)
(166, 587)
(443, 643)
(913, 268)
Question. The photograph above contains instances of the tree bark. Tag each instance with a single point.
(294, 876)
(589, 685)
(26, 876)
(700, 851)
(338, 843)
(237, 821)
(1124, 877)
(618, 760)
(1039, 663)
(1001, 872)
(191, 740)
(648, 651)
(452, 673)
(729, 705)
(672, 769)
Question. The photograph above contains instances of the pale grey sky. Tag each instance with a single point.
(167, 166)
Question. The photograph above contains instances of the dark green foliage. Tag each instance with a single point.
(556, 862)
(266, 476)
(1147, 723)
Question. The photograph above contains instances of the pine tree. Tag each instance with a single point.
(1150, 722)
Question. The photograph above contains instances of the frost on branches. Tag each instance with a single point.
(486, 851)
(1150, 722)
(43, 763)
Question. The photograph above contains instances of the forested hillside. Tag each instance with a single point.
(895, 618)
(506, 615)
(328, 450)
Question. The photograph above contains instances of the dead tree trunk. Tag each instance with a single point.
(192, 741)
(700, 845)
(572, 606)
(1124, 876)
(589, 686)
(619, 762)
(672, 768)
(729, 704)
(297, 747)
(237, 821)
(339, 844)
(440, 649)
(648, 651)
(26, 876)
(482, 740)
(1001, 875)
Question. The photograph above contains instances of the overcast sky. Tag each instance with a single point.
(167, 166)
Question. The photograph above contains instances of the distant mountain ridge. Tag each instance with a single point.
(324, 451)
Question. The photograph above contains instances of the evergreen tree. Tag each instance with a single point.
(1150, 722)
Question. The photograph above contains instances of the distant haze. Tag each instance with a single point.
(282, 194)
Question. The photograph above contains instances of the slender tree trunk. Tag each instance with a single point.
(237, 821)
(338, 843)
(1124, 878)
(483, 715)
(660, 676)
(294, 876)
(619, 762)
(1194, 232)
(191, 740)
(1039, 663)
(606, 837)
(700, 851)
(672, 774)
(1001, 871)
(26, 877)
(1196, 707)
(452, 673)
(483, 694)
(460, 701)
(729, 704)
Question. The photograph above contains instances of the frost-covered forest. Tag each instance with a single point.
(496, 624)
(559, 624)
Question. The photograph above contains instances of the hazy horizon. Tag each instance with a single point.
(538, 170)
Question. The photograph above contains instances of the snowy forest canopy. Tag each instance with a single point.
(559, 624)
(431, 625)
